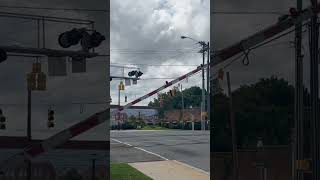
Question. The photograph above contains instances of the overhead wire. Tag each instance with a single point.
(54, 8)
(249, 12)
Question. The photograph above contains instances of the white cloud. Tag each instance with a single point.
(156, 25)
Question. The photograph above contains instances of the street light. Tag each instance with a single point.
(204, 48)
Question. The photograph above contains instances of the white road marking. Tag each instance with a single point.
(149, 152)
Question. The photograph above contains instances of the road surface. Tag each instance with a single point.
(190, 147)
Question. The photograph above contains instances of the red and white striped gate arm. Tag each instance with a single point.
(263, 35)
(98, 118)
(54, 141)
(163, 87)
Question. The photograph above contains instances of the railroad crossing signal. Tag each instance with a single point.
(50, 119)
(2, 121)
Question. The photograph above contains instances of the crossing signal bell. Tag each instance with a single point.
(2, 121)
(50, 119)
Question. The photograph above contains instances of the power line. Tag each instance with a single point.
(55, 9)
(249, 12)
(165, 65)
(261, 46)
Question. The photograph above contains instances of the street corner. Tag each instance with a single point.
(170, 169)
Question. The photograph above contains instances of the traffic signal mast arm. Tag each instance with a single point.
(98, 118)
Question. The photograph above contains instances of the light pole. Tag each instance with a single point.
(182, 104)
(204, 48)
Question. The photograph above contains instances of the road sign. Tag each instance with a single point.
(57, 66)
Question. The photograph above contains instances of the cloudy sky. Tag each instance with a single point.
(146, 35)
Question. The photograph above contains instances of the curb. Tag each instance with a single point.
(194, 168)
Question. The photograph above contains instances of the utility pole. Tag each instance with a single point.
(182, 101)
(29, 132)
(203, 50)
(233, 131)
(208, 83)
(314, 35)
(93, 168)
(119, 90)
(297, 148)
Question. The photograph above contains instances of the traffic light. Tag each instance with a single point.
(50, 119)
(3, 55)
(2, 121)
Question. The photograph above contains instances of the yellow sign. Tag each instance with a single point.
(121, 86)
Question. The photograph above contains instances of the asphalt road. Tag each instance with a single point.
(190, 147)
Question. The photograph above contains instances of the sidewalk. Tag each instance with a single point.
(164, 170)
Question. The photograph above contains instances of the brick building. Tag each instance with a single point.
(188, 115)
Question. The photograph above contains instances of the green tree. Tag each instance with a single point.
(262, 109)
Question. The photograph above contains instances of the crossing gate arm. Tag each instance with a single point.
(263, 35)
